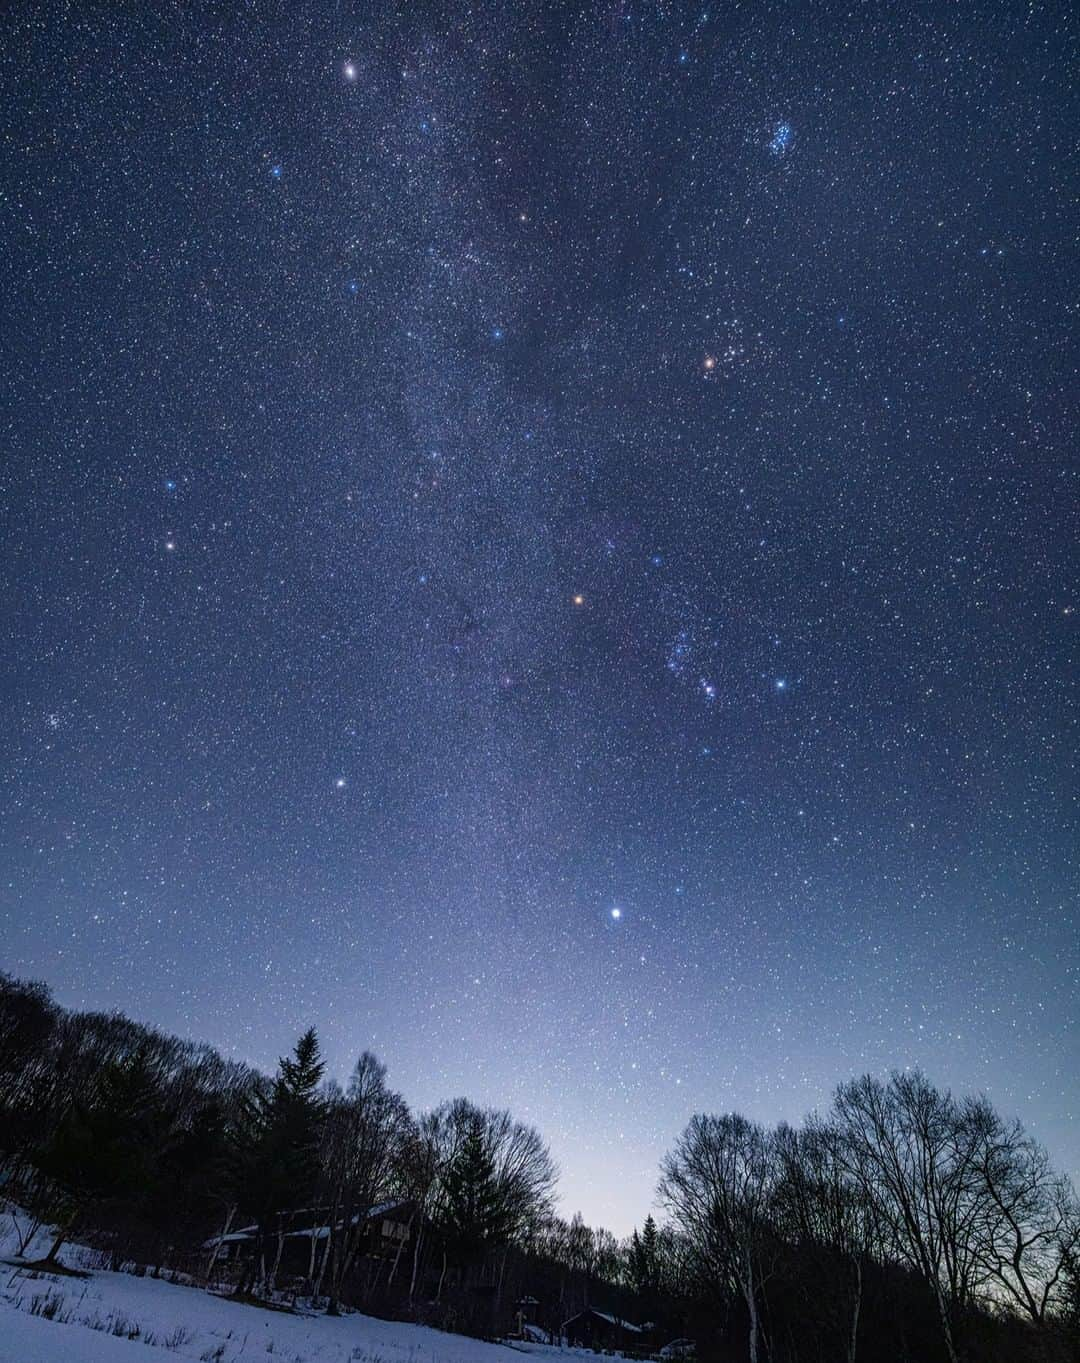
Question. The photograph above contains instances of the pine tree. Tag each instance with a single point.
(107, 1147)
(280, 1166)
(474, 1215)
(643, 1261)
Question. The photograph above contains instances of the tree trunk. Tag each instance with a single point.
(333, 1253)
(416, 1260)
(63, 1230)
(230, 1216)
(324, 1262)
(947, 1329)
(442, 1276)
(272, 1283)
(54, 1249)
(751, 1306)
(397, 1258)
(855, 1309)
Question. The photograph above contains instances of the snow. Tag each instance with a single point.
(174, 1322)
(29, 1339)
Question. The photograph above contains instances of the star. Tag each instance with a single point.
(340, 783)
(616, 914)
(350, 71)
(578, 599)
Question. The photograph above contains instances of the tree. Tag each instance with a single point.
(475, 1216)
(281, 1164)
(717, 1185)
(1029, 1226)
(106, 1148)
(366, 1133)
(913, 1153)
(643, 1260)
(495, 1186)
(823, 1213)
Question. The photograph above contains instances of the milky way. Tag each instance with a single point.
(542, 541)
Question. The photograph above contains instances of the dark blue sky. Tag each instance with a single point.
(471, 469)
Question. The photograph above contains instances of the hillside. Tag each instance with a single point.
(108, 1317)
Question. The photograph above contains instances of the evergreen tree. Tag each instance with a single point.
(643, 1260)
(107, 1147)
(280, 1161)
(474, 1215)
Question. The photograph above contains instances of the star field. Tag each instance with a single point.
(542, 540)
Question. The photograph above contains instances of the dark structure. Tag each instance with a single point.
(387, 1232)
(592, 1329)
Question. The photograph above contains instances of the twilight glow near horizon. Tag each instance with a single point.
(541, 540)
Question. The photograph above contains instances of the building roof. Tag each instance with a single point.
(306, 1232)
(603, 1315)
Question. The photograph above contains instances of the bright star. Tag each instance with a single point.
(781, 683)
(275, 172)
(339, 784)
(579, 600)
(616, 914)
(350, 71)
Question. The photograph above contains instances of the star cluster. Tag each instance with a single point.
(541, 539)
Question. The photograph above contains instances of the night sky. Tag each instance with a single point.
(541, 538)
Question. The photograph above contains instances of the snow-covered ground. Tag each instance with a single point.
(114, 1318)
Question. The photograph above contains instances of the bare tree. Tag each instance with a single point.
(827, 1216)
(367, 1133)
(912, 1151)
(1030, 1220)
(717, 1185)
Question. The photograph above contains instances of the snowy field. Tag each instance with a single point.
(118, 1318)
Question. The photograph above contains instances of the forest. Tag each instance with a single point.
(903, 1223)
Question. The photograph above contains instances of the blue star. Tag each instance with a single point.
(276, 172)
(170, 485)
(781, 683)
(497, 333)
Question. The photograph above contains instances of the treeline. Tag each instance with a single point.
(905, 1224)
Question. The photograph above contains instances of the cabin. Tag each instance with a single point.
(592, 1329)
(387, 1229)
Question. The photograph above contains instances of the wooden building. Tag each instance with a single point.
(592, 1329)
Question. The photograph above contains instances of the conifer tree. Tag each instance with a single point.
(281, 1165)
(474, 1214)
